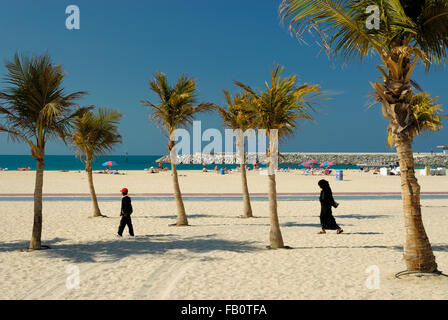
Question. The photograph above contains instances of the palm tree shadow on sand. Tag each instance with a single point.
(438, 247)
(362, 216)
(295, 224)
(173, 216)
(112, 250)
(202, 215)
(361, 233)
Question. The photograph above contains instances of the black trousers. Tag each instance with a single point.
(126, 220)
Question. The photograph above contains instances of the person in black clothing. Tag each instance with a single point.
(125, 213)
(327, 220)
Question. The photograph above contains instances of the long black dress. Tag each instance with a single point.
(327, 220)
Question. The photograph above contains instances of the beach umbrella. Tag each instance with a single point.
(327, 164)
(309, 163)
(110, 164)
(306, 164)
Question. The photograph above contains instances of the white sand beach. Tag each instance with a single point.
(220, 256)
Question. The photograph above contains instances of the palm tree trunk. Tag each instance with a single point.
(181, 215)
(395, 95)
(275, 235)
(418, 253)
(96, 208)
(246, 197)
(35, 242)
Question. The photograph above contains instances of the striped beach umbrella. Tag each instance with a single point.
(327, 164)
(306, 164)
(110, 164)
(309, 163)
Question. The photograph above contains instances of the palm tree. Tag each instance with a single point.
(278, 108)
(176, 109)
(409, 31)
(35, 109)
(239, 115)
(94, 135)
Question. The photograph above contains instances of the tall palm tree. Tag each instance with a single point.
(94, 135)
(278, 108)
(410, 31)
(239, 115)
(177, 108)
(35, 109)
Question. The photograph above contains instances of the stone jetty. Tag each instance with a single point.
(369, 159)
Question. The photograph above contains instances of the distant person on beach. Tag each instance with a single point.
(125, 213)
(327, 220)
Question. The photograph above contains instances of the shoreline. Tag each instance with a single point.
(282, 167)
(341, 160)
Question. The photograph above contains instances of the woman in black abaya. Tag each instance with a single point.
(327, 220)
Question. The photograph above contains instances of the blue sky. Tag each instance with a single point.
(121, 44)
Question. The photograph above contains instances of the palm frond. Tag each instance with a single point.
(239, 112)
(34, 104)
(340, 25)
(177, 105)
(96, 134)
(282, 103)
(427, 113)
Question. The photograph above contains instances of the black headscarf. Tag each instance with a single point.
(324, 185)
(326, 194)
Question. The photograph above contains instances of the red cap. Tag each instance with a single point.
(124, 190)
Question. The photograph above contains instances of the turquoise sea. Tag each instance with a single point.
(69, 162)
